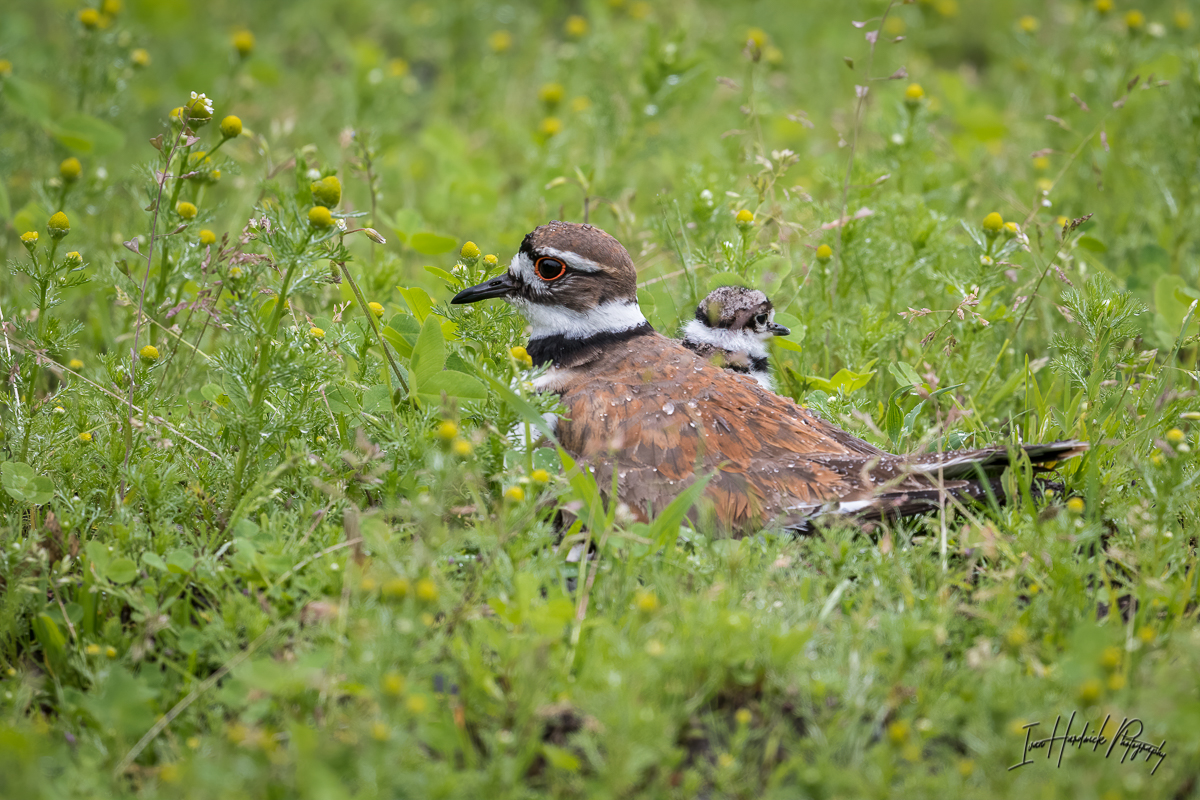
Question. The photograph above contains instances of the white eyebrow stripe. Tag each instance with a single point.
(573, 260)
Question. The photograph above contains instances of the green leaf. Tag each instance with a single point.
(215, 394)
(376, 399)
(5, 204)
(121, 570)
(24, 485)
(418, 300)
(341, 400)
(440, 273)
(1093, 244)
(432, 244)
(454, 384)
(844, 379)
(180, 560)
(51, 638)
(904, 374)
(724, 279)
(561, 758)
(429, 353)
(31, 100)
(154, 560)
(87, 134)
(664, 529)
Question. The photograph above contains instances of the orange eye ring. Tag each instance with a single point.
(551, 263)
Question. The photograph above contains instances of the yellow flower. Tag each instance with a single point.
(491, 260)
(1090, 691)
(539, 476)
(1061, 221)
(316, 333)
(111, 7)
(1146, 634)
(393, 684)
(58, 225)
(427, 590)
(89, 18)
(898, 731)
(243, 42)
(1110, 659)
(231, 127)
(397, 588)
(894, 26)
(914, 94)
(140, 58)
(186, 210)
(397, 68)
(447, 430)
(514, 493)
(29, 239)
(199, 109)
(745, 217)
(640, 10)
(92, 649)
(1016, 636)
(580, 104)
(85, 437)
(551, 94)
(110, 651)
(376, 309)
(5, 68)
(462, 447)
(1041, 163)
(75, 364)
(207, 237)
(551, 126)
(1135, 20)
(235, 273)
(1075, 505)
(521, 355)
(327, 191)
(824, 253)
(743, 716)
(149, 353)
(319, 217)
(646, 601)
(725, 761)
(380, 732)
(756, 35)
(417, 704)
(500, 41)
(70, 169)
(1175, 436)
(1116, 682)
(1028, 24)
(1012, 228)
(1104, 6)
(993, 223)
(576, 26)
(1182, 20)
(469, 250)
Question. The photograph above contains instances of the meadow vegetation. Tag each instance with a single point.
(264, 531)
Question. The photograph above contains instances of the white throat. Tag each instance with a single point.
(615, 316)
(725, 339)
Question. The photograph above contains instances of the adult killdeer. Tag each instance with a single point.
(731, 329)
(660, 415)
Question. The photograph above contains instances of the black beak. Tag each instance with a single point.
(499, 286)
(779, 330)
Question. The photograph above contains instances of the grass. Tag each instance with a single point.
(261, 538)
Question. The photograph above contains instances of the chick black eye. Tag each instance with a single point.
(549, 269)
(761, 319)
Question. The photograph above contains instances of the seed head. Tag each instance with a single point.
(576, 26)
(70, 169)
(327, 191)
(319, 217)
(469, 251)
(186, 210)
(316, 333)
(140, 58)
(745, 217)
(231, 127)
(993, 223)
(376, 309)
(149, 353)
(500, 41)
(824, 253)
(207, 237)
(58, 225)
(243, 43)
(89, 18)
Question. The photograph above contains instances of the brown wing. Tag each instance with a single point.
(660, 413)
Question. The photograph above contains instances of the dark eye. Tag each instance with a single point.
(760, 320)
(549, 269)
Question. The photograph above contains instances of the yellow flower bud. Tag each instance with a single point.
(110, 651)
(914, 94)
(1135, 20)
(757, 36)
(576, 26)
(521, 354)
(500, 41)
(243, 43)
(186, 210)
(1090, 691)
(72, 259)
(393, 684)
(5, 68)
(1012, 228)
(397, 588)
(85, 437)
(58, 225)
(417, 704)
(1075, 505)
(993, 223)
(1182, 19)
(514, 494)
(1104, 6)
(551, 94)
(70, 169)
(470, 251)
(745, 217)
(447, 430)
(319, 217)
(462, 447)
(490, 260)
(551, 126)
(231, 127)
(824, 253)
(140, 58)
(397, 68)
(427, 590)
(199, 109)
(149, 353)
(29, 239)
(898, 731)
(316, 333)
(207, 237)
(89, 18)
(380, 732)
(75, 364)
(1175, 436)
(539, 476)
(92, 649)
(376, 309)
(327, 191)
(1028, 24)
(743, 716)
(646, 601)
(111, 7)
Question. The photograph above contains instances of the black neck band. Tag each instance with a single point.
(562, 350)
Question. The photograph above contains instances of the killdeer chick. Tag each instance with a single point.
(731, 329)
(662, 417)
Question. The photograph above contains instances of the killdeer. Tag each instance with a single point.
(660, 415)
(731, 329)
